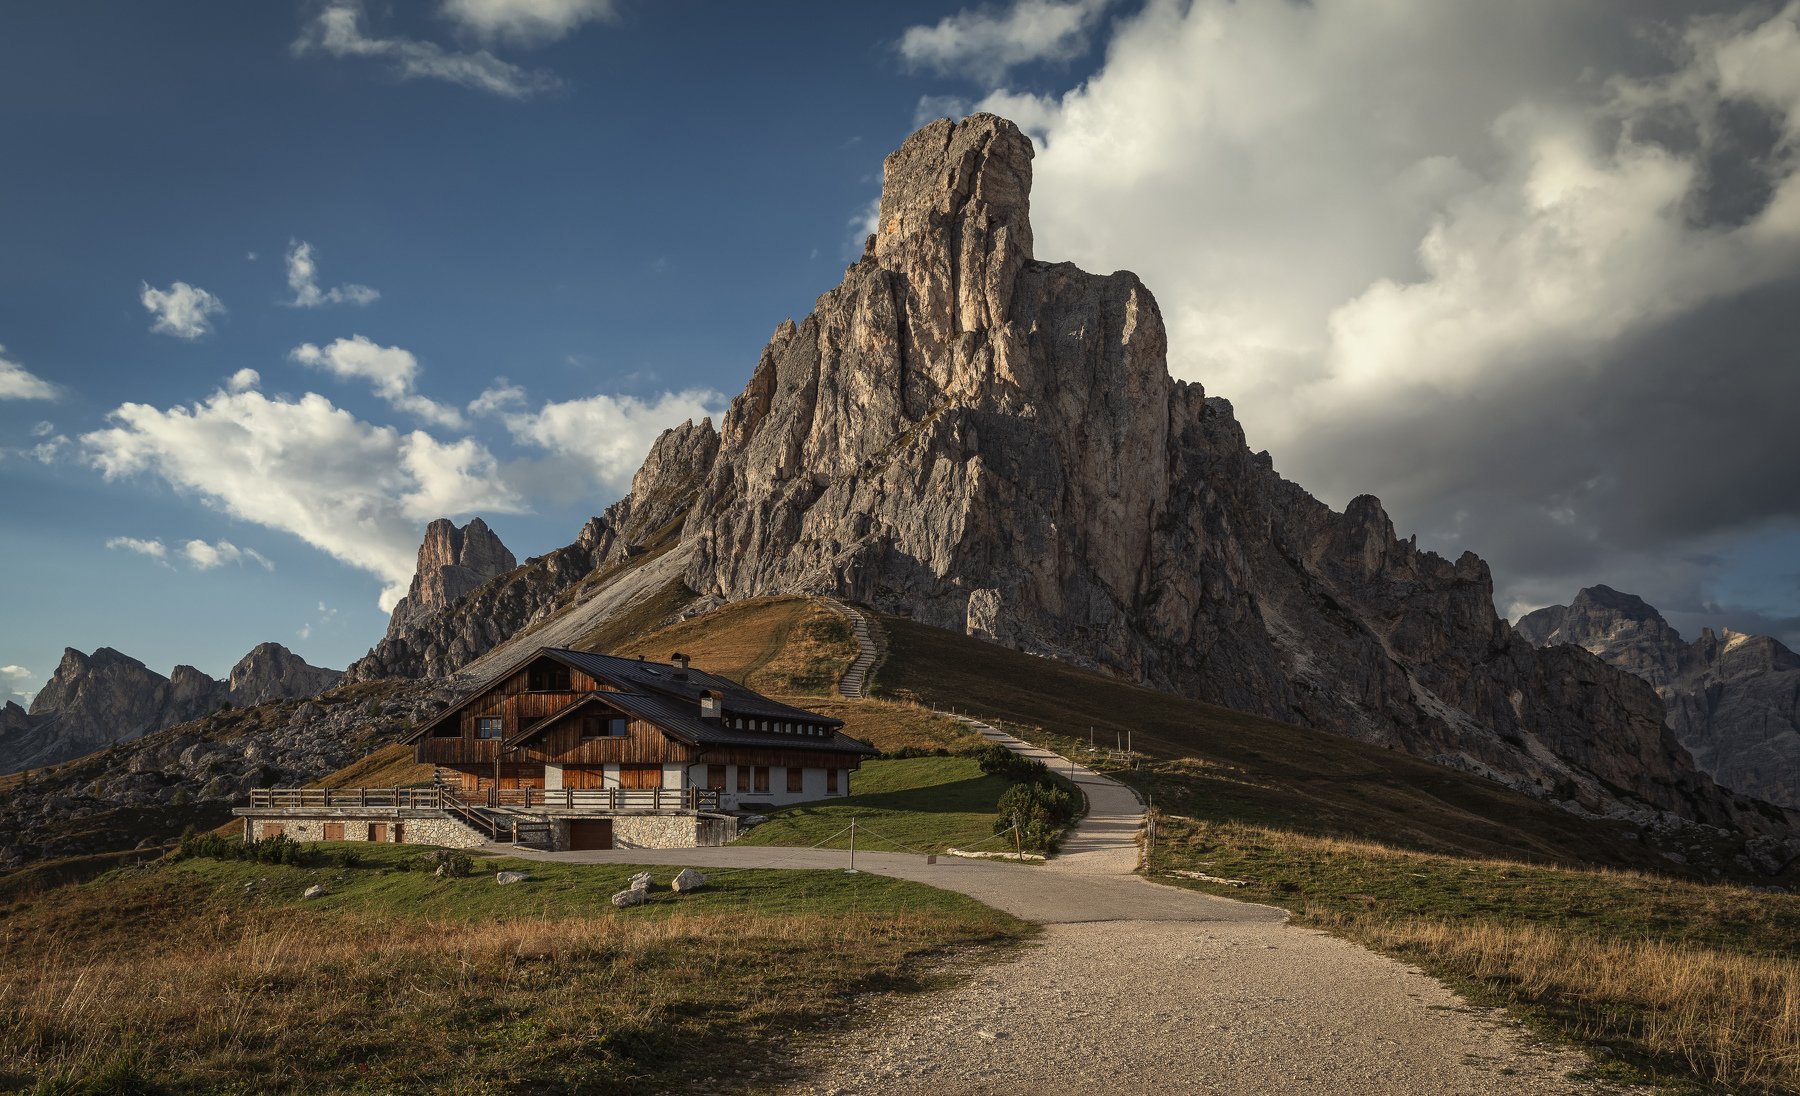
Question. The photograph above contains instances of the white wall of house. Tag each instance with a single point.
(812, 786)
(553, 778)
(609, 776)
(674, 776)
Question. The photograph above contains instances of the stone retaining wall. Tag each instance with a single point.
(411, 829)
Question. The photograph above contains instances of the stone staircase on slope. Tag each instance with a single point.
(871, 647)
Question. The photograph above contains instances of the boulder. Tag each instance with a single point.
(631, 896)
(506, 877)
(688, 880)
(641, 881)
(317, 890)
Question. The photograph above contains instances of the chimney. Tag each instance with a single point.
(710, 705)
(681, 663)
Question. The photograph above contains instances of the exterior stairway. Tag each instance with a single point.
(871, 645)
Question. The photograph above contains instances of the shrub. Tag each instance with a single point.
(997, 760)
(279, 849)
(1040, 809)
(907, 752)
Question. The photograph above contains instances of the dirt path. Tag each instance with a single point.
(1239, 1002)
(1136, 987)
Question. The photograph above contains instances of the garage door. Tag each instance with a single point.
(590, 835)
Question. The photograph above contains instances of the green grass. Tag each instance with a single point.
(928, 803)
(217, 976)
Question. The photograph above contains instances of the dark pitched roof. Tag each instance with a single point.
(662, 694)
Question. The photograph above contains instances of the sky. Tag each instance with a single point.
(282, 282)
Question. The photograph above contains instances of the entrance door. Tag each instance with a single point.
(378, 831)
(334, 831)
(591, 834)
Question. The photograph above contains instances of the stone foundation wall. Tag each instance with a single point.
(446, 832)
(655, 832)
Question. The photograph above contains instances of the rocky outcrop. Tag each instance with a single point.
(1732, 700)
(647, 521)
(452, 562)
(993, 444)
(272, 672)
(93, 701)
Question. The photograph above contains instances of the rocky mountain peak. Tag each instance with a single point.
(956, 182)
(271, 671)
(452, 562)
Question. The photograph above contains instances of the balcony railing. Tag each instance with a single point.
(395, 798)
(592, 799)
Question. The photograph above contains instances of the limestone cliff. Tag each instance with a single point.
(452, 562)
(992, 443)
(1733, 700)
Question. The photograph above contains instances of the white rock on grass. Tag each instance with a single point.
(641, 881)
(506, 877)
(688, 880)
(317, 890)
(630, 897)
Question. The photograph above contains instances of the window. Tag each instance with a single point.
(743, 775)
(831, 783)
(762, 778)
(715, 777)
(548, 677)
(488, 727)
(796, 780)
(599, 726)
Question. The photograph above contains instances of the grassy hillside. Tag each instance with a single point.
(1217, 764)
(1690, 984)
(216, 976)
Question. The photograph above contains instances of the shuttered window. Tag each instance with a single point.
(796, 780)
(831, 782)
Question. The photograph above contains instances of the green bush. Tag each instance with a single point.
(457, 864)
(997, 760)
(1040, 809)
(279, 849)
(905, 753)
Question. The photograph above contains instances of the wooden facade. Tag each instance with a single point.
(549, 724)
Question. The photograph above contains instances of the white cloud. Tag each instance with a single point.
(497, 397)
(205, 557)
(1401, 237)
(243, 380)
(43, 430)
(46, 451)
(984, 43)
(337, 30)
(527, 22)
(356, 491)
(153, 548)
(608, 436)
(303, 279)
(18, 383)
(389, 369)
(182, 310)
(12, 678)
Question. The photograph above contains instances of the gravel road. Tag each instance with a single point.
(1135, 987)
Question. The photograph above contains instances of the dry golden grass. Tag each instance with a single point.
(895, 725)
(777, 645)
(393, 766)
(1683, 980)
(1733, 1020)
(196, 985)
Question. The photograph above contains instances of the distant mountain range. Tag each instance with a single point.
(1733, 700)
(92, 701)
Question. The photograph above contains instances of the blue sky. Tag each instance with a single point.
(475, 254)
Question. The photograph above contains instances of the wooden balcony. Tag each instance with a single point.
(407, 799)
(597, 800)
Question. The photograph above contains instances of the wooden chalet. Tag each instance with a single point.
(570, 749)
